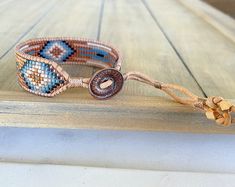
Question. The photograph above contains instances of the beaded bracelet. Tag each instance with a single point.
(38, 63)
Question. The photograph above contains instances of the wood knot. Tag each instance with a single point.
(218, 109)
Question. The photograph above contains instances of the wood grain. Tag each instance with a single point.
(128, 25)
(224, 23)
(227, 6)
(59, 22)
(121, 113)
(17, 18)
(153, 41)
(207, 52)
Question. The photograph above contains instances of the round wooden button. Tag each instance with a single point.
(106, 83)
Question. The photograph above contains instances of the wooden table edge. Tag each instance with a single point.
(74, 111)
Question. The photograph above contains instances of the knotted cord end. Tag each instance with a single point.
(218, 109)
(158, 85)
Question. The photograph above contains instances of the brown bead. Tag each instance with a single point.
(113, 80)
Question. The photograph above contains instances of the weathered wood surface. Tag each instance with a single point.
(227, 6)
(121, 113)
(165, 39)
(224, 23)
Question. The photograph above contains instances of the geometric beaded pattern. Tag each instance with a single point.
(62, 51)
(45, 77)
(58, 51)
(40, 77)
(94, 53)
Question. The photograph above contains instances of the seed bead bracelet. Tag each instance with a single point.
(39, 71)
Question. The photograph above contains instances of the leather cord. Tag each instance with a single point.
(215, 108)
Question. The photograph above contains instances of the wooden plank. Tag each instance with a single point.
(72, 18)
(61, 21)
(121, 113)
(146, 50)
(17, 18)
(4, 4)
(224, 23)
(206, 51)
(99, 148)
(227, 6)
(128, 25)
(37, 175)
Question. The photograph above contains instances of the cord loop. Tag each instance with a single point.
(215, 108)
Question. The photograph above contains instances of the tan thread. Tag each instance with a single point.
(78, 82)
(215, 108)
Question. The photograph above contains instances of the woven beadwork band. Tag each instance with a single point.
(39, 71)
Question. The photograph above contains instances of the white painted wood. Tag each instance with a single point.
(120, 149)
(22, 175)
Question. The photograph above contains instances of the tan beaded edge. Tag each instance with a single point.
(35, 53)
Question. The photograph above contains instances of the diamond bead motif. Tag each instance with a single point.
(41, 77)
(58, 51)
